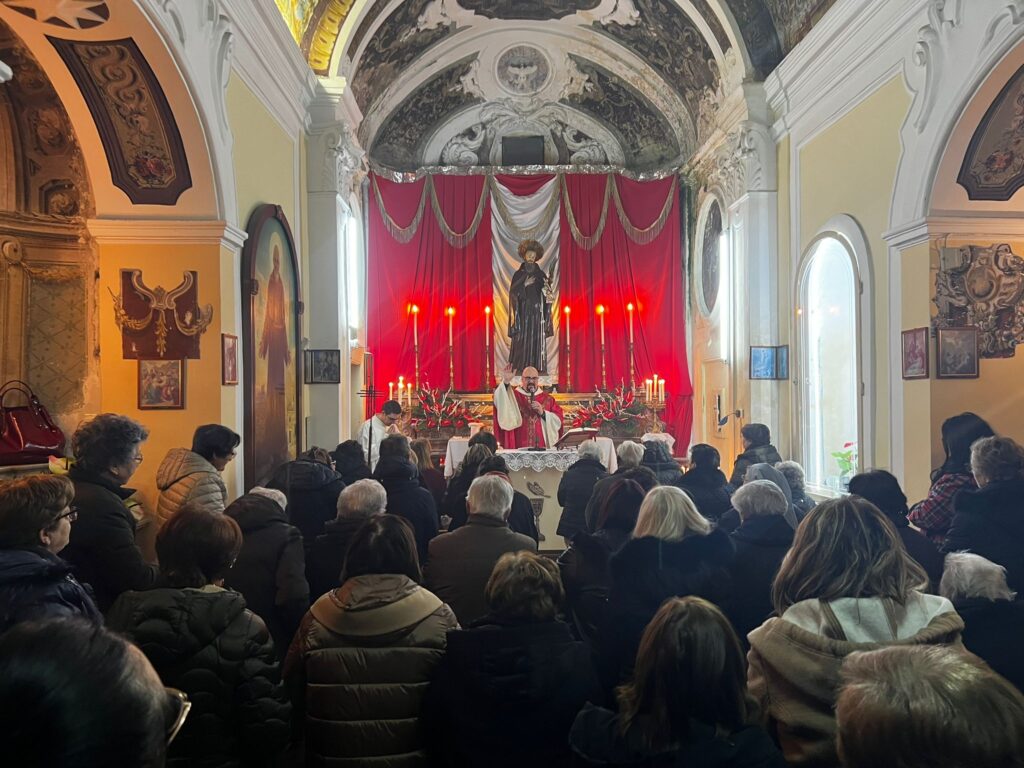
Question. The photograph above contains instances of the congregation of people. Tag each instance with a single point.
(359, 610)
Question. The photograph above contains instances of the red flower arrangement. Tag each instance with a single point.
(619, 408)
(436, 411)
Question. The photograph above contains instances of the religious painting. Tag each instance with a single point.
(957, 354)
(161, 385)
(228, 359)
(323, 366)
(982, 287)
(763, 361)
(915, 353)
(270, 335)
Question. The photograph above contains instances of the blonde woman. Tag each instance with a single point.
(674, 552)
(847, 584)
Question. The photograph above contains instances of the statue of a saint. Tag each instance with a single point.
(529, 320)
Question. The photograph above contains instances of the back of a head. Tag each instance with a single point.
(670, 515)
(525, 588)
(351, 450)
(197, 547)
(756, 434)
(214, 441)
(959, 433)
(317, 454)
(968, 576)
(629, 453)
(846, 547)
(490, 496)
(925, 706)
(421, 448)
(621, 506)
(589, 449)
(361, 499)
(486, 439)
(704, 456)
(73, 695)
(997, 459)
(656, 452)
(470, 466)
(391, 408)
(395, 446)
(384, 544)
(882, 489)
(689, 666)
(493, 464)
(759, 498)
(793, 473)
(29, 505)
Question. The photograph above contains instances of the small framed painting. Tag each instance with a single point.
(161, 385)
(769, 363)
(915, 353)
(957, 353)
(228, 359)
(323, 366)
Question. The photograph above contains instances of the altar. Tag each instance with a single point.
(537, 475)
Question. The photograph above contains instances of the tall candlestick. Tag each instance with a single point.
(600, 314)
(604, 367)
(451, 320)
(568, 341)
(451, 348)
(416, 341)
(568, 351)
(487, 348)
(629, 308)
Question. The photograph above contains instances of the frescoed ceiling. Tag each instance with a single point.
(636, 82)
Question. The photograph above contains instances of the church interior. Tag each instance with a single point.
(686, 216)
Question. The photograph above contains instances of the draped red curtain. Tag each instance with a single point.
(618, 271)
(432, 273)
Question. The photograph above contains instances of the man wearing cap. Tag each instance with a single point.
(525, 416)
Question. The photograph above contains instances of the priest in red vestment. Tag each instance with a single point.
(526, 416)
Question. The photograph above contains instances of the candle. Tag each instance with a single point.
(661, 390)
(415, 325)
(648, 387)
(629, 307)
(487, 327)
(568, 339)
(451, 318)
(408, 394)
(600, 313)
(391, 390)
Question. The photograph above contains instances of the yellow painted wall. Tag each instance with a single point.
(161, 265)
(850, 169)
(916, 277)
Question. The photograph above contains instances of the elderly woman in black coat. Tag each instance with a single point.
(705, 483)
(658, 459)
(35, 525)
(108, 450)
(576, 487)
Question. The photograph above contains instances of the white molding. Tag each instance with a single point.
(164, 231)
(270, 62)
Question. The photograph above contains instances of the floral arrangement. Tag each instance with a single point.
(434, 410)
(616, 409)
(846, 459)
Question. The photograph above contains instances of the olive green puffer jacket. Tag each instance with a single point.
(185, 476)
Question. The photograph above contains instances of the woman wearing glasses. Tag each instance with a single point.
(35, 525)
(108, 451)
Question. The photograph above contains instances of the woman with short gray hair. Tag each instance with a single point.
(990, 521)
(794, 475)
(993, 619)
(357, 503)
(108, 450)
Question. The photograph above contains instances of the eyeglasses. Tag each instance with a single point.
(71, 515)
(180, 705)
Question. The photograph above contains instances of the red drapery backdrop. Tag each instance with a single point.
(433, 274)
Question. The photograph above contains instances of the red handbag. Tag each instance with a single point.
(27, 433)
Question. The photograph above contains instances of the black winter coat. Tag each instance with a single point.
(586, 578)
(920, 548)
(207, 644)
(35, 584)
(312, 490)
(597, 740)
(102, 548)
(990, 522)
(270, 569)
(406, 498)
(505, 696)
(667, 472)
(710, 491)
(761, 542)
(646, 572)
(994, 630)
(326, 558)
(758, 454)
(574, 491)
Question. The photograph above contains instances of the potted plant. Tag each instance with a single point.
(614, 414)
(846, 460)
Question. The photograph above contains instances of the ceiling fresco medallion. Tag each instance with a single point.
(540, 10)
(69, 14)
(522, 70)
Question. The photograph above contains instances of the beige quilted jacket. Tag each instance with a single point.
(185, 476)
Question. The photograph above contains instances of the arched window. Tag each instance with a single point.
(830, 375)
